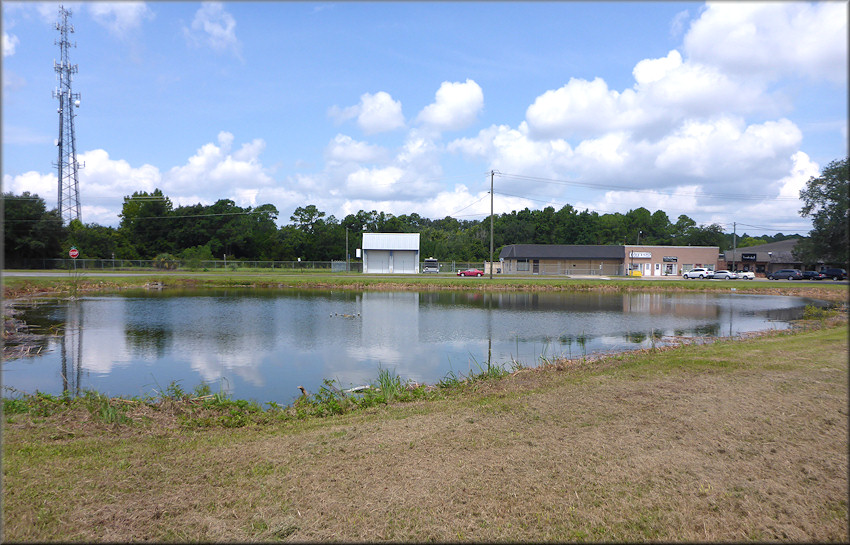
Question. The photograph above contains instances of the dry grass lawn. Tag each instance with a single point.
(734, 441)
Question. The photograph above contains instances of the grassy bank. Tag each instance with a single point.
(731, 441)
(15, 287)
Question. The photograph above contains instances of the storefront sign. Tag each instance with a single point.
(670, 259)
(644, 255)
(748, 257)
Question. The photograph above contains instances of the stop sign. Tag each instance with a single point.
(73, 252)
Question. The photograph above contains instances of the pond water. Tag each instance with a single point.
(261, 345)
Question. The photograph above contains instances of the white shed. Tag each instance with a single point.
(394, 253)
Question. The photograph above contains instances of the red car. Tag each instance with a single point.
(471, 272)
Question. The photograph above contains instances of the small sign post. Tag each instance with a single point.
(74, 253)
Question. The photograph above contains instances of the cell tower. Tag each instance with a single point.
(68, 167)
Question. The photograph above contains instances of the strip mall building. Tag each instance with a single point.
(560, 259)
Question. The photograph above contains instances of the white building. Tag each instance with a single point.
(393, 253)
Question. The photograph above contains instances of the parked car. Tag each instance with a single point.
(813, 275)
(699, 273)
(835, 274)
(787, 274)
(471, 272)
(746, 275)
(723, 274)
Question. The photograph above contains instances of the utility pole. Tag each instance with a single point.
(67, 165)
(734, 249)
(347, 266)
(491, 225)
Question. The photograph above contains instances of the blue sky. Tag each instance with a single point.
(718, 111)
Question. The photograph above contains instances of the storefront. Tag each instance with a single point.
(558, 259)
(670, 260)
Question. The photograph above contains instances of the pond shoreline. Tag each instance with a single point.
(19, 342)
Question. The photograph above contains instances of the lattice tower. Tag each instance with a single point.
(67, 165)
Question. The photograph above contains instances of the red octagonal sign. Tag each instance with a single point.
(73, 252)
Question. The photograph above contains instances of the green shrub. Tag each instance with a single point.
(165, 262)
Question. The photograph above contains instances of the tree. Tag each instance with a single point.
(30, 231)
(306, 217)
(144, 223)
(92, 240)
(825, 199)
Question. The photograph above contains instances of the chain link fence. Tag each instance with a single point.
(131, 265)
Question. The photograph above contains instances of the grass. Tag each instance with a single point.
(727, 441)
(33, 285)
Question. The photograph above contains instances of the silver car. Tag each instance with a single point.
(699, 273)
(723, 274)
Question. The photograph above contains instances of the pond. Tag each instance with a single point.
(263, 344)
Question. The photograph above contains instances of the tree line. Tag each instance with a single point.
(151, 226)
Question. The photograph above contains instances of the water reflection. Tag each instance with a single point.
(262, 344)
(71, 348)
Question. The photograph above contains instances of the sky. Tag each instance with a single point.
(719, 111)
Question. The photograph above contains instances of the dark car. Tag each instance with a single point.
(787, 274)
(835, 274)
(813, 275)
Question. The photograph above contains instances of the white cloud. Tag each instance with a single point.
(105, 181)
(677, 25)
(212, 173)
(785, 208)
(681, 199)
(513, 151)
(344, 149)
(215, 28)
(802, 170)
(10, 42)
(666, 91)
(43, 185)
(379, 113)
(457, 202)
(215, 173)
(725, 148)
(375, 113)
(374, 183)
(119, 18)
(456, 106)
(772, 39)
(580, 107)
(651, 70)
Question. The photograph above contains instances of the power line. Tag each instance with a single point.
(468, 205)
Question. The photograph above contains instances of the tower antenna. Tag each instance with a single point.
(67, 165)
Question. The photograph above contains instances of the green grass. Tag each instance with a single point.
(358, 475)
(276, 279)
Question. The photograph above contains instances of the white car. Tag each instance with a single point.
(699, 273)
(723, 274)
(746, 275)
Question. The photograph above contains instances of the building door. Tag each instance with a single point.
(535, 266)
(378, 261)
(404, 262)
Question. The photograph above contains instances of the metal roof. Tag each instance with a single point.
(391, 241)
(773, 252)
(562, 251)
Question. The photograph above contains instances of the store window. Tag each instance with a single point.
(521, 265)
